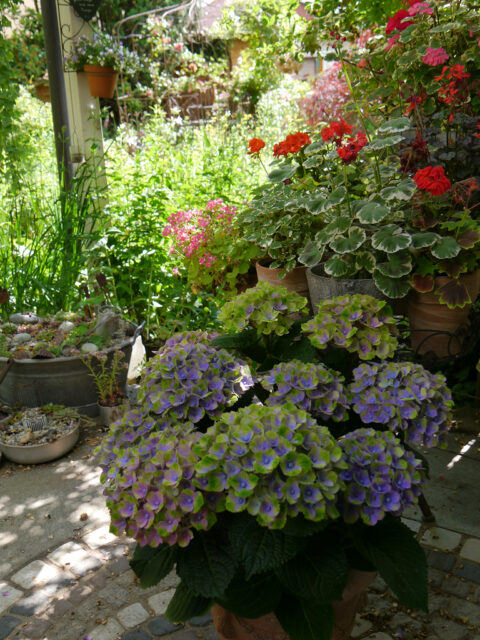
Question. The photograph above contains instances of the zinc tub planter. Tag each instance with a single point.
(40, 453)
(66, 380)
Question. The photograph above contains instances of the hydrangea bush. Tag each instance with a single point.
(250, 478)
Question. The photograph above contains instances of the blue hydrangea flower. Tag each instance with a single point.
(358, 323)
(311, 387)
(271, 461)
(381, 476)
(406, 397)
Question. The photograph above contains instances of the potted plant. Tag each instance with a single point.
(101, 57)
(276, 487)
(106, 371)
(209, 244)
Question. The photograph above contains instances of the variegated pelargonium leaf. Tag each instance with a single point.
(315, 204)
(311, 254)
(315, 147)
(391, 239)
(346, 244)
(424, 239)
(337, 267)
(282, 173)
(391, 287)
(446, 247)
(383, 143)
(364, 261)
(396, 125)
(340, 224)
(398, 265)
(372, 212)
(403, 190)
(313, 161)
(336, 197)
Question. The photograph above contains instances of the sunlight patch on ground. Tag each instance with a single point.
(463, 451)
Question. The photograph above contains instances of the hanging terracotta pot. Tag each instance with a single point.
(433, 326)
(295, 280)
(102, 81)
(354, 598)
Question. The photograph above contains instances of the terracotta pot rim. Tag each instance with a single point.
(98, 68)
(260, 263)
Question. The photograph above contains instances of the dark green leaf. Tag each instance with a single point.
(356, 237)
(400, 560)
(252, 598)
(396, 125)
(424, 239)
(372, 212)
(282, 173)
(186, 605)
(391, 287)
(336, 266)
(152, 564)
(398, 265)
(206, 564)
(446, 247)
(391, 239)
(305, 620)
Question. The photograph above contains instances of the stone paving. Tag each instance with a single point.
(83, 589)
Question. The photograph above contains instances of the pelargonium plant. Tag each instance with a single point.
(358, 323)
(209, 245)
(283, 472)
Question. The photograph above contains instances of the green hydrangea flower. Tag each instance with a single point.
(267, 308)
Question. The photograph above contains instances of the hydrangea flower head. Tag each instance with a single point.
(308, 386)
(381, 476)
(406, 397)
(273, 462)
(265, 307)
(187, 380)
(358, 323)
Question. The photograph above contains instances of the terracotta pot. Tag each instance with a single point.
(295, 280)
(434, 327)
(231, 627)
(102, 81)
(42, 91)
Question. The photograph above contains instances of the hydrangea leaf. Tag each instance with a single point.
(317, 574)
(285, 172)
(207, 564)
(304, 620)
(186, 604)
(347, 244)
(152, 564)
(392, 548)
(391, 239)
(391, 287)
(259, 548)
(372, 212)
(252, 598)
(446, 247)
(396, 125)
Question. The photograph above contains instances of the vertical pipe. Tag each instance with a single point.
(56, 79)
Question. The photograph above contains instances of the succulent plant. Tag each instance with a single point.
(358, 323)
(267, 308)
(406, 397)
(381, 476)
(186, 381)
(273, 462)
(308, 386)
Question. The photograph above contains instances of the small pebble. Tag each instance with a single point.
(88, 347)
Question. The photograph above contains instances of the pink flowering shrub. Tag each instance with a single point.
(209, 245)
(327, 99)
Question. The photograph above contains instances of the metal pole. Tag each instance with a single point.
(56, 79)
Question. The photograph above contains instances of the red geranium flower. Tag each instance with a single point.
(292, 144)
(395, 22)
(432, 179)
(336, 131)
(255, 145)
(348, 152)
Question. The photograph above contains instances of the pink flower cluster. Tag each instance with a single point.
(193, 231)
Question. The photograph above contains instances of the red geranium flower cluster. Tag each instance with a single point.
(348, 152)
(395, 22)
(336, 131)
(432, 179)
(255, 145)
(454, 89)
(292, 144)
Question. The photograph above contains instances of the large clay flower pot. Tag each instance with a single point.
(231, 627)
(322, 287)
(294, 280)
(434, 327)
(102, 81)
